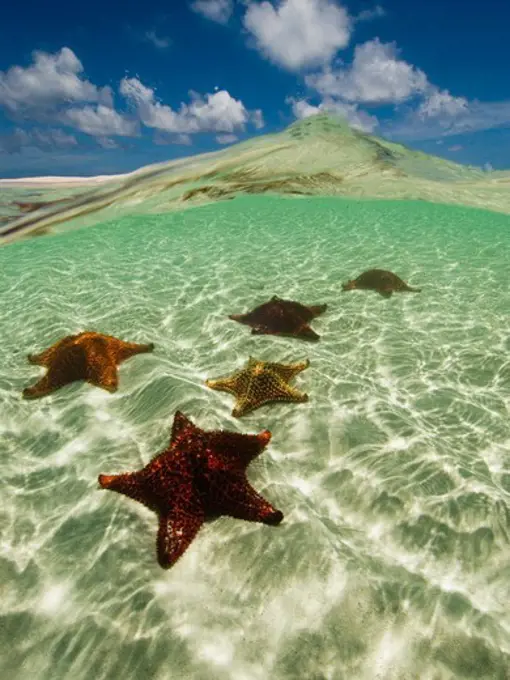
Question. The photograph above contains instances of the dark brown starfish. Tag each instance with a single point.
(87, 356)
(200, 476)
(384, 282)
(261, 382)
(282, 317)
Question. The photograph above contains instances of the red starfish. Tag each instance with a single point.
(200, 476)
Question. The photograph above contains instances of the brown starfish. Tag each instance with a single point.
(200, 476)
(261, 382)
(87, 356)
(282, 317)
(384, 282)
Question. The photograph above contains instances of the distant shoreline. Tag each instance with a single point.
(24, 182)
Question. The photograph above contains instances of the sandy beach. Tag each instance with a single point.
(27, 182)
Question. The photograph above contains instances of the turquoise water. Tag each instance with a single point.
(393, 558)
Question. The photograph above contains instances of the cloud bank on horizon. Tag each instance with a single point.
(50, 104)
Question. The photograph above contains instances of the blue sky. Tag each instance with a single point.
(109, 86)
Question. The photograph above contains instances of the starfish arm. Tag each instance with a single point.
(223, 384)
(265, 388)
(40, 389)
(288, 371)
(102, 372)
(234, 450)
(125, 350)
(316, 310)
(176, 532)
(234, 496)
(240, 318)
(307, 333)
(182, 427)
(283, 392)
(37, 359)
(290, 393)
(66, 366)
(243, 406)
(40, 359)
(128, 484)
(45, 357)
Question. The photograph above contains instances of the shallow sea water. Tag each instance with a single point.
(393, 561)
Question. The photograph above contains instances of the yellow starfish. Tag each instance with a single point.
(260, 382)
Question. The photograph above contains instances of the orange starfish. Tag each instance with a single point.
(87, 356)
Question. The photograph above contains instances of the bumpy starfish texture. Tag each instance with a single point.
(89, 356)
(260, 382)
(200, 476)
(282, 317)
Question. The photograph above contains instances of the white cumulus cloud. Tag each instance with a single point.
(369, 14)
(257, 119)
(301, 108)
(297, 34)
(431, 120)
(107, 143)
(376, 75)
(99, 121)
(379, 76)
(440, 103)
(215, 10)
(217, 112)
(46, 140)
(51, 79)
(53, 90)
(183, 140)
(356, 117)
(159, 42)
(226, 139)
